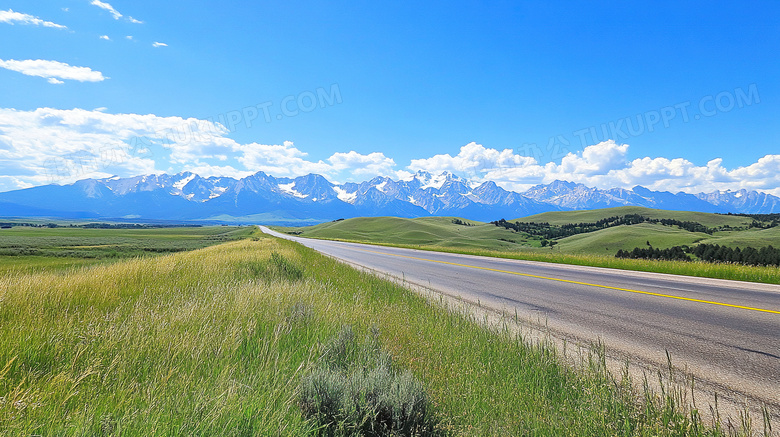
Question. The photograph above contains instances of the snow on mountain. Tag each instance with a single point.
(344, 195)
(745, 201)
(184, 181)
(575, 196)
(312, 198)
(289, 189)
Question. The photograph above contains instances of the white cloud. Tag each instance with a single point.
(159, 44)
(130, 37)
(103, 5)
(52, 145)
(208, 170)
(12, 17)
(473, 160)
(280, 159)
(55, 81)
(52, 70)
(373, 164)
(134, 21)
(105, 37)
(605, 165)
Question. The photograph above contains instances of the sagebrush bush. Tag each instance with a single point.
(354, 390)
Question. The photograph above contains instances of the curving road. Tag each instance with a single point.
(727, 333)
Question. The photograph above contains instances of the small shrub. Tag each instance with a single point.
(354, 391)
(275, 268)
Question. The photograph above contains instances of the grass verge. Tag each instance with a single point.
(219, 341)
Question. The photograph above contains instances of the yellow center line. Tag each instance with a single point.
(649, 293)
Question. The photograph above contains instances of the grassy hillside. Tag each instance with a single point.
(750, 237)
(609, 241)
(217, 341)
(707, 219)
(437, 231)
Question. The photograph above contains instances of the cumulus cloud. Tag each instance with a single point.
(159, 44)
(53, 145)
(605, 165)
(12, 17)
(134, 21)
(52, 70)
(105, 6)
(474, 160)
(373, 164)
(105, 37)
(50, 145)
(280, 159)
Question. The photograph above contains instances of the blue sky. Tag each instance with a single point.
(679, 96)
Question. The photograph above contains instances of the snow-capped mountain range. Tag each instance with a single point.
(312, 199)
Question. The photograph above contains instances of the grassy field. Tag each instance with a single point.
(594, 248)
(217, 341)
(32, 248)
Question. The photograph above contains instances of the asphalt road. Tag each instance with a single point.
(726, 333)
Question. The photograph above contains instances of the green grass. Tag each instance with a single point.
(216, 341)
(28, 249)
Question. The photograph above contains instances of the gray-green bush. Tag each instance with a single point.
(354, 390)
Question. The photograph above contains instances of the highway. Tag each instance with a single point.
(726, 333)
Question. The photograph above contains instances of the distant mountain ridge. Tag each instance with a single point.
(313, 199)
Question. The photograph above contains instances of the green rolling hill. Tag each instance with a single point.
(609, 241)
(426, 231)
(443, 232)
(707, 219)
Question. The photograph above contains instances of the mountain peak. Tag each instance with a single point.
(188, 196)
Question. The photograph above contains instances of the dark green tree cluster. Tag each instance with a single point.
(761, 221)
(548, 231)
(686, 225)
(765, 256)
(8, 225)
(460, 222)
(764, 224)
(676, 253)
(136, 226)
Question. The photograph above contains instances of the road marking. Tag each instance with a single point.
(649, 293)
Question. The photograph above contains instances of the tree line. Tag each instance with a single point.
(764, 256)
(761, 221)
(549, 232)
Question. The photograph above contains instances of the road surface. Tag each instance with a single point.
(726, 333)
